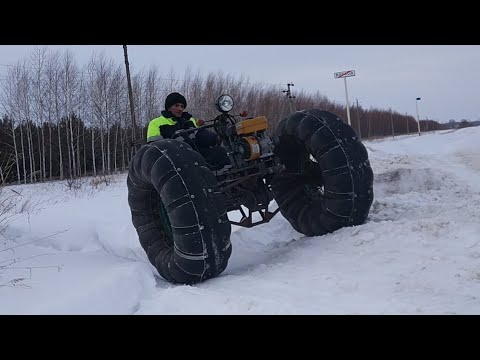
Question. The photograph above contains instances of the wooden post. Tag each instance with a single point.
(130, 93)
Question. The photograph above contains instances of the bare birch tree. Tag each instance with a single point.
(116, 97)
(90, 87)
(39, 87)
(81, 106)
(9, 103)
(23, 97)
(69, 85)
(196, 90)
(152, 96)
(99, 71)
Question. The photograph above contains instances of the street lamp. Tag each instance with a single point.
(418, 118)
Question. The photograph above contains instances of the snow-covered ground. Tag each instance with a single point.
(76, 252)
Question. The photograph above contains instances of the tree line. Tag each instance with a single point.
(63, 121)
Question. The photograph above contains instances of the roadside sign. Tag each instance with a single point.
(343, 74)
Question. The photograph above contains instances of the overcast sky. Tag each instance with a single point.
(445, 77)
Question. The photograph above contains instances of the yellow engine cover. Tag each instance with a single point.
(249, 126)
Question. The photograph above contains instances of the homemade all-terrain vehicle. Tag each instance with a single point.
(314, 170)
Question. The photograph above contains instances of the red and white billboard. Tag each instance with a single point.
(343, 74)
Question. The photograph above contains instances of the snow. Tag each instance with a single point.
(77, 252)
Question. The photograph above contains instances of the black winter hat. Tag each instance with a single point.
(173, 99)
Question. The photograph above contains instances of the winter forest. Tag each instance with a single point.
(62, 121)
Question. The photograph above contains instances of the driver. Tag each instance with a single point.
(175, 118)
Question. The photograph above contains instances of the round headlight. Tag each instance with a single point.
(224, 103)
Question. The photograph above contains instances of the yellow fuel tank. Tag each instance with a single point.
(251, 125)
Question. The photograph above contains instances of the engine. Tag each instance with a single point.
(252, 141)
(253, 164)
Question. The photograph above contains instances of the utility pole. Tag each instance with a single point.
(406, 116)
(290, 97)
(130, 93)
(418, 117)
(391, 120)
(358, 121)
(368, 123)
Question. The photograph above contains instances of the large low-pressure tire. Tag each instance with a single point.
(181, 220)
(328, 181)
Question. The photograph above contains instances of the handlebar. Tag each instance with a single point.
(189, 131)
(215, 122)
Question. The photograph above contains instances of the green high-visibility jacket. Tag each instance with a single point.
(153, 131)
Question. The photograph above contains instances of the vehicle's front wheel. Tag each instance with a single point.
(180, 218)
